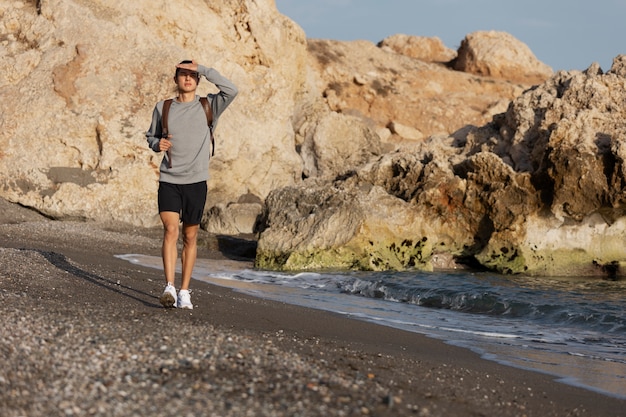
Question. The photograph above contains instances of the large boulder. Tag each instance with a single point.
(430, 49)
(539, 190)
(336, 143)
(500, 55)
(399, 212)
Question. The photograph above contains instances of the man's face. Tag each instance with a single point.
(186, 80)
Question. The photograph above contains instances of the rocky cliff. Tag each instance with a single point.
(401, 154)
(538, 190)
(79, 80)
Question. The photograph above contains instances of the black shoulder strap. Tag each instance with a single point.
(209, 120)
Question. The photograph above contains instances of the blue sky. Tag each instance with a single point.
(565, 34)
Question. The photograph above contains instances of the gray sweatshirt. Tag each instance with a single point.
(190, 135)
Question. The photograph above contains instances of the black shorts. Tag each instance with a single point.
(187, 200)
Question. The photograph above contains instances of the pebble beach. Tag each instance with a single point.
(83, 334)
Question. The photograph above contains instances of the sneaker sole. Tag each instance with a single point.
(167, 300)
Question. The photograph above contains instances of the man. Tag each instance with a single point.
(184, 170)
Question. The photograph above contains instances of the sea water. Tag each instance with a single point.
(571, 328)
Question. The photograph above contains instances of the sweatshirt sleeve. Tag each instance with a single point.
(153, 135)
(228, 91)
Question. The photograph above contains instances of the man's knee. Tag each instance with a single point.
(170, 232)
(190, 234)
(170, 229)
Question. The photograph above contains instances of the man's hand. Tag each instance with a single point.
(191, 67)
(165, 144)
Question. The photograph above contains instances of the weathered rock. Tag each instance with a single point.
(420, 47)
(340, 226)
(540, 190)
(403, 212)
(568, 133)
(232, 219)
(11, 213)
(500, 55)
(337, 143)
(387, 87)
(407, 132)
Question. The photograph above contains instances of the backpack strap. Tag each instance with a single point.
(164, 115)
(209, 120)
(166, 110)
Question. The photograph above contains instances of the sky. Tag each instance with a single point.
(564, 34)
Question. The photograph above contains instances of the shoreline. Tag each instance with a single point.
(90, 327)
(568, 365)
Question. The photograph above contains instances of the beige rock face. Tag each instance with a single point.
(500, 55)
(79, 80)
(405, 94)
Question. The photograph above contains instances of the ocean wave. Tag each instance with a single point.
(562, 306)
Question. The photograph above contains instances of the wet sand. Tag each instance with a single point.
(84, 334)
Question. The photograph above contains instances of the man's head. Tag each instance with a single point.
(179, 70)
(187, 80)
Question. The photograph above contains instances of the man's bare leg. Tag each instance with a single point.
(169, 253)
(190, 253)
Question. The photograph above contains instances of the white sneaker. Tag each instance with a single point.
(168, 299)
(184, 299)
